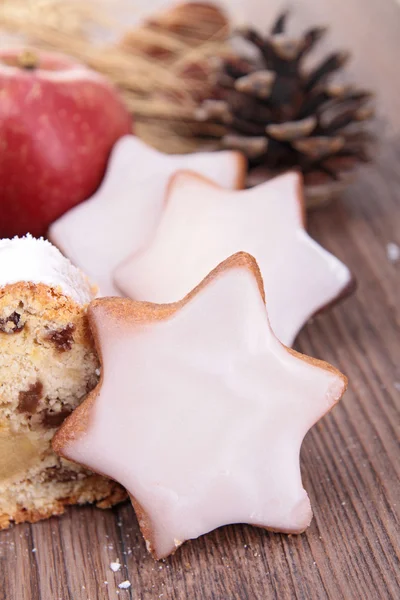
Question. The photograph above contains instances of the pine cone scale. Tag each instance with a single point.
(292, 130)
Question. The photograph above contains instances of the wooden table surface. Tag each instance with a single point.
(350, 460)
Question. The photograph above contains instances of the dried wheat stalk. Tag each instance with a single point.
(162, 67)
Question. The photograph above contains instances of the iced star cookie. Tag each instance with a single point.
(203, 224)
(47, 366)
(203, 409)
(100, 233)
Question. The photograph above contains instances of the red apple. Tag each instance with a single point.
(58, 123)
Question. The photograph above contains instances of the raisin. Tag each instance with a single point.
(59, 474)
(11, 324)
(62, 338)
(55, 419)
(29, 399)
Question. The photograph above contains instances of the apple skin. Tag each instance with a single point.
(58, 124)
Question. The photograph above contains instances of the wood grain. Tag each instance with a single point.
(350, 460)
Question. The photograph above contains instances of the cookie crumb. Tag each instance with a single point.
(115, 566)
(393, 252)
(124, 585)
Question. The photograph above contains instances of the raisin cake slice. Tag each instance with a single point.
(47, 366)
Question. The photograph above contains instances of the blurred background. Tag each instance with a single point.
(370, 29)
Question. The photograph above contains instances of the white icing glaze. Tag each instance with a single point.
(38, 261)
(202, 225)
(98, 234)
(201, 415)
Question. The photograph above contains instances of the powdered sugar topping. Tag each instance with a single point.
(38, 261)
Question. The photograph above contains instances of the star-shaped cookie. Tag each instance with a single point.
(200, 412)
(203, 224)
(98, 234)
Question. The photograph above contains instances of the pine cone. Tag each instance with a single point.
(284, 117)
